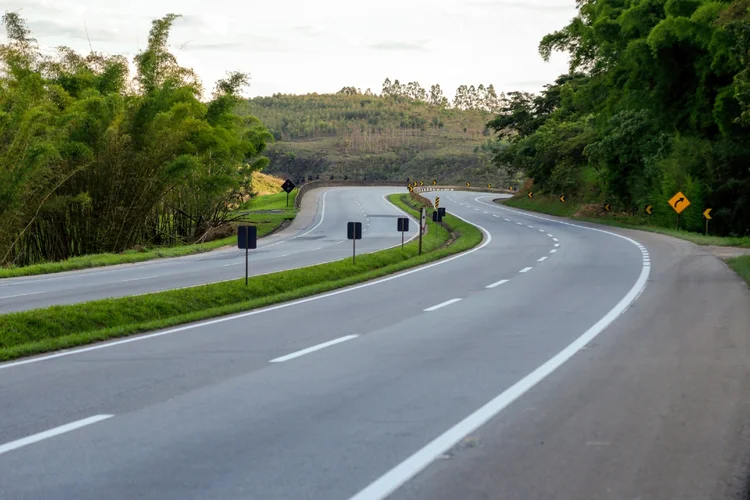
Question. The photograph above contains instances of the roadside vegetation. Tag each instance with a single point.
(59, 327)
(656, 101)
(741, 265)
(595, 213)
(96, 160)
(268, 212)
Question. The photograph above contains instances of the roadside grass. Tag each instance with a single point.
(741, 265)
(276, 201)
(552, 206)
(266, 222)
(59, 327)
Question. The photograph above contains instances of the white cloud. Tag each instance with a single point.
(301, 46)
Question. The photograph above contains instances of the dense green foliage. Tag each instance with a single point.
(405, 132)
(657, 100)
(59, 327)
(92, 160)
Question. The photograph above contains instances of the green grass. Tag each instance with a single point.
(271, 202)
(42, 330)
(552, 206)
(741, 265)
(266, 223)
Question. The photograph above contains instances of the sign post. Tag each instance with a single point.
(679, 202)
(422, 224)
(247, 238)
(403, 225)
(707, 215)
(436, 217)
(288, 187)
(354, 233)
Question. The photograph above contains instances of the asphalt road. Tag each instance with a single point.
(554, 361)
(317, 235)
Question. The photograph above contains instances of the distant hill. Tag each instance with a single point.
(363, 135)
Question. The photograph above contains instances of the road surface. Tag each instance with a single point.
(555, 361)
(317, 235)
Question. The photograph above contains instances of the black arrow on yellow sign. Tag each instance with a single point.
(649, 209)
(468, 184)
(421, 183)
(531, 194)
(562, 199)
(608, 207)
(489, 186)
(434, 182)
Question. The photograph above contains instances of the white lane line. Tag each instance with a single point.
(525, 270)
(532, 227)
(542, 259)
(233, 264)
(486, 212)
(314, 249)
(495, 215)
(519, 223)
(20, 295)
(555, 239)
(497, 284)
(139, 279)
(224, 319)
(553, 251)
(313, 349)
(285, 255)
(557, 245)
(322, 218)
(507, 220)
(550, 235)
(35, 438)
(541, 230)
(442, 304)
(396, 477)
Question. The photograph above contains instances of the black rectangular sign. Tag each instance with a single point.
(441, 211)
(403, 224)
(354, 231)
(247, 237)
(436, 217)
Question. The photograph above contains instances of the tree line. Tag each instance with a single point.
(93, 159)
(657, 100)
(467, 97)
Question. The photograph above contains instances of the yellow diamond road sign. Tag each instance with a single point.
(679, 202)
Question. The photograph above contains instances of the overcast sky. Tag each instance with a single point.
(300, 46)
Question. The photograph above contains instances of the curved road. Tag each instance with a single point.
(317, 235)
(556, 360)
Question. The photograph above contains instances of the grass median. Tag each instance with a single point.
(267, 212)
(59, 327)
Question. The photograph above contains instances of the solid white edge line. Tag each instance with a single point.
(254, 312)
(525, 269)
(403, 472)
(441, 305)
(21, 295)
(322, 218)
(314, 348)
(41, 436)
(497, 284)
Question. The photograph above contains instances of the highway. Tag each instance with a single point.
(317, 235)
(554, 361)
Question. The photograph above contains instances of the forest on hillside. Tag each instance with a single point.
(404, 131)
(657, 101)
(94, 160)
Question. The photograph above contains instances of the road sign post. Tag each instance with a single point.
(422, 222)
(679, 202)
(354, 233)
(403, 226)
(436, 218)
(707, 215)
(288, 187)
(247, 238)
